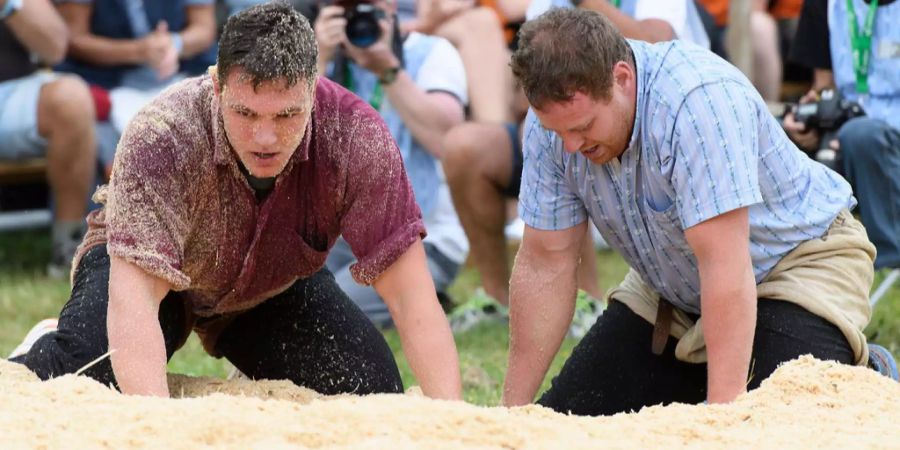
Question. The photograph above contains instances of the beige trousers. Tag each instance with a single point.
(829, 277)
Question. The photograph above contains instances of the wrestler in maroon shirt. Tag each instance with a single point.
(227, 192)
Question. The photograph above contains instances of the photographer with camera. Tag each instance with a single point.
(418, 85)
(854, 48)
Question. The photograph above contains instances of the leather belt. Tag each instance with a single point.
(662, 327)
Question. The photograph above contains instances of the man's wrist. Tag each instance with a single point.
(389, 75)
(177, 42)
(9, 8)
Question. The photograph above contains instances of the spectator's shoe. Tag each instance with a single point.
(236, 374)
(479, 308)
(61, 259)
(515, 230)
(882, 361)
(587, 310)
(58, 269)
(39, 330)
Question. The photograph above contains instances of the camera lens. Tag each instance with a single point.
(362, 25)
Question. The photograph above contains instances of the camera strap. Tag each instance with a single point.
(377, 96)
(861, 42)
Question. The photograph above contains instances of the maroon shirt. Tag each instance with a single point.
(179, 207)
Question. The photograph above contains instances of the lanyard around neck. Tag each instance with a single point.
(616, 3)
(377, 93)
(861, 42)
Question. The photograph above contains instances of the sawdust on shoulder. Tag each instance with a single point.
(806, 404)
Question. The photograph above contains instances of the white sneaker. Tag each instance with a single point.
(515, 230)
(587, 311)
(37, 331)
(236, 374)
(479, 308)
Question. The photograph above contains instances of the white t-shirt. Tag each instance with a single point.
(681, 15)
(442, 70)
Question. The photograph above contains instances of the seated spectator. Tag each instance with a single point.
(478, 32)
(483, 161)
(45, 115)
(418, 85)
(869, 147)
(134, 49)
(771, 22)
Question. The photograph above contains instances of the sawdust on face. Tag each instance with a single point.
(264, 123)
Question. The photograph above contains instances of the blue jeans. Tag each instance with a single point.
(871, 153)
(442, 270)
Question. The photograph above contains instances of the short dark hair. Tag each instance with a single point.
(565, 51)
(269, 41)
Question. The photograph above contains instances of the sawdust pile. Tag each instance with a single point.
(805, 404)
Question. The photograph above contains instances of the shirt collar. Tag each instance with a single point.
(638, 51)
(222, 151)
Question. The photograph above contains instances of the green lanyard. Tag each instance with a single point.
(377, 94)
(616, 3)
(862, 44)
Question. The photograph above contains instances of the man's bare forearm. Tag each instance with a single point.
(408, 291)
(429, 347)
(135, 336)
(542, 301)
(729, 322)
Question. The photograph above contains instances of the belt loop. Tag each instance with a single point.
(662, 327)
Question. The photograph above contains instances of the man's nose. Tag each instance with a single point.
(264, 134)
(572, 143)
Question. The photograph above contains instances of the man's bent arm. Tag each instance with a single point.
(135, 336)
(40, 29)
(727, 300)
(408, 290)
(541, 304)
(428, 115)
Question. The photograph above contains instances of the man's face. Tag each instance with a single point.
(264, 125)
(599, 129)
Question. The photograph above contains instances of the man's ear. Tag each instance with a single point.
(623, 74)
(214, 75)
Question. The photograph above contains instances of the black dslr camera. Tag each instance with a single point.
(827, 116)
(362, 17)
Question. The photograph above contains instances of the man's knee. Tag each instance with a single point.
(471, 24)
(65, 103)
(483, 18)
(864, 139)
(461, 149)
(473, 149)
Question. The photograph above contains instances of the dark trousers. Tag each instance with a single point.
(612, 369)
(311, 334)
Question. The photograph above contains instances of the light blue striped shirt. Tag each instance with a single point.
(703, 144)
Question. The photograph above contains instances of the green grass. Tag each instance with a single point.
(27, 296)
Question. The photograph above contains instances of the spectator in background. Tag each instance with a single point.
(477, 31)
(418, 85)
(46, 115)
(771, 22)
(134, 49)
(869, 146)
(484, 160)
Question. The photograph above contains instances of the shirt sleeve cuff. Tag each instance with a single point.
(152, 263)
(371, 266)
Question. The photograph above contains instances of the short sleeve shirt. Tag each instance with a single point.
(179, 207)
(703, 144)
